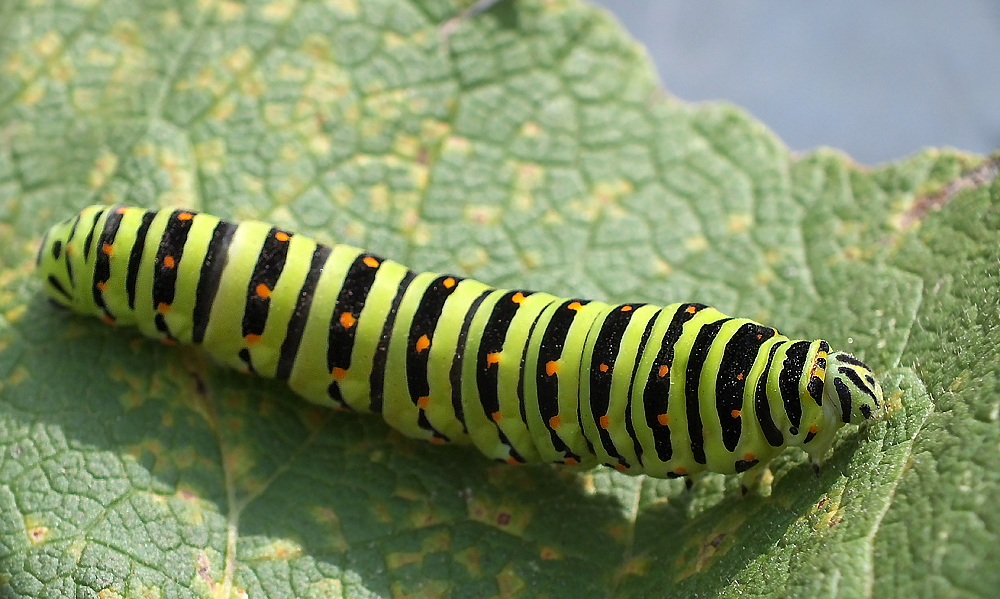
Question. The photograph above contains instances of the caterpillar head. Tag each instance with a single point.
(60, 262)
(851, 389)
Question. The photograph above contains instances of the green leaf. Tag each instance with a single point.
(531, 147)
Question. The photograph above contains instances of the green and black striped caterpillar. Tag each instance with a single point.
(524, 376)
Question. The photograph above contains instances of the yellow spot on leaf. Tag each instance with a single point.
(696, 243)
(530, 129)
(470, 559)
(738, 222)
(104, 166)
(400, 559)
(278, 10)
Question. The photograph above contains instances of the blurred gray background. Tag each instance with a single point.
(879, 80)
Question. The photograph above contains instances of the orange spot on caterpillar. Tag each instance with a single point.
(570, 462)
(448, 283)
(495, 416)
(749, 457)
(185, 216)
(662, 372)
(168, 261)
(626, 308)
(603, 367)
(107, 319)
(575, 306)
(347, 320)
(735, 413)
(251, 338)
(167, 341)
(554, 422)
(663, 419)
(163, 307)
(338, 373)
(262, 291)
(605, 423)
(436, 441)
(739, 376)
(423, 401)
(690, 310)
(517, 298)
(512, 461)
(422, 343)
(759, 336)
(813, 428)
(621, 467)
(493, 358)
(281, 236)
(551, 367)
(680, 471)
(101, 285)
(121, 210)
(106, 248)
(370, 262)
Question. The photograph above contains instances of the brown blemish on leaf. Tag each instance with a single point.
(38, 534)
(204, 571)
(636, 566)
(972, 179)
(510, 519)
(550, 553)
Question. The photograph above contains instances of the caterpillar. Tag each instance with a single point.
(671, 391)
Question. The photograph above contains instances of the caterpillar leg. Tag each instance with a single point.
(757, 479)
(692, 479)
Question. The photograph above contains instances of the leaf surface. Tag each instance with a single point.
(530, 147)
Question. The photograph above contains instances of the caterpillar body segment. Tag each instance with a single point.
(668, 391)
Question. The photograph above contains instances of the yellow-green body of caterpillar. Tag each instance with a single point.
(524, 376)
